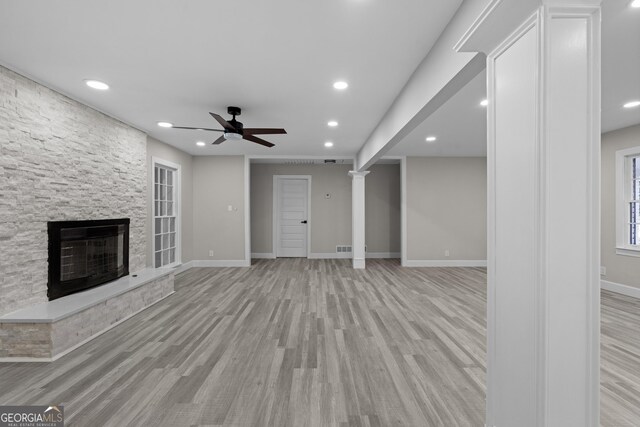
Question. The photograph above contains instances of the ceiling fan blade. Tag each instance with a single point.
(225, 124)
(185, 127)
(219, 140)
(264, 131)
(258, 140)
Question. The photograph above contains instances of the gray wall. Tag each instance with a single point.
(382, 209)
(218, 181)
(620, 269)
(446, 208)
(60, 160)
(166, 152)
(330, 219)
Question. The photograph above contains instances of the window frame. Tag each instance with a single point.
(177, 209)
(623, 192)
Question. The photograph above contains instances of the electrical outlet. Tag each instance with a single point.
(603, 271)
(446, 252)
(230, 208)
(210, 252)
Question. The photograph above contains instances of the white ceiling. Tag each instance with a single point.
(460, 124)
(175, 61)
(620, 64)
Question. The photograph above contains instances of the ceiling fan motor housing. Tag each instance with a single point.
(234, 111)
(237, 125)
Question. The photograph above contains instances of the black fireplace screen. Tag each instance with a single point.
(84, 254)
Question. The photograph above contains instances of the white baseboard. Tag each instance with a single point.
(445, 263)
(619, 288)
(382, 255)
(183, 267)
(359, 263)
(221, 263)
(349, 255)
(330, 255)
(261, 255)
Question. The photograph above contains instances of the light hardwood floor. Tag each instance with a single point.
(295, 342)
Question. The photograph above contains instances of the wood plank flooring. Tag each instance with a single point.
(620, 360)
(295, 342)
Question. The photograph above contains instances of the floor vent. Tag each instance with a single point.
(343, 249)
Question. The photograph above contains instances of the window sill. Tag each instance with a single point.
(628, 252)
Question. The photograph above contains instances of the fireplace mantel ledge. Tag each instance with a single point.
(53, 311)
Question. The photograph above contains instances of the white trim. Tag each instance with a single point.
(221, 263)
(532, 21)
(81, 343)
(349, 255)
(330, 255)
(479, 21)
(382, 255)
(247, 210)
(628, 252)
(358, 217)
(177, 205)
(276, 214)
(295, 157)
(183, 267)
(619, 288)
(403, 211)
(445, 263)
(622, 212)
(593, 17)
(263, 255)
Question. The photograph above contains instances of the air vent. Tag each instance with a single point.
(299, 162)
(341, 249)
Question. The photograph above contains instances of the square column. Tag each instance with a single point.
(543, 164)
(357, 218)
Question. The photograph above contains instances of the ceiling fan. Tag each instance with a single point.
(234, 129)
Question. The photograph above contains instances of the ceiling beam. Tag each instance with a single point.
(442, 73)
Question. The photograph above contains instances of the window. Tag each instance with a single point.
(166, 239)
(628, 201)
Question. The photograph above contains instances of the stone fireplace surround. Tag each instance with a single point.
(60, 160)
(44, 332)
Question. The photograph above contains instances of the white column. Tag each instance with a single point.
(357, 218)
(543, 75)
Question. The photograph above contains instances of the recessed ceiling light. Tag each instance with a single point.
(165, 125)
(632, 104)
(328, 144)
(95, 84)
(200, 144)
(332, 123)
(484, 102)
(431, 138)
(635, 3)
(340, 85)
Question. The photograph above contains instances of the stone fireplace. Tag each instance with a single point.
(60, 161)
(84, 254)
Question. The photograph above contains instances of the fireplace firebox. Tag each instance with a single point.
(84, 254)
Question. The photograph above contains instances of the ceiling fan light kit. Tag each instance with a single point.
(235, 130)
(232, 135)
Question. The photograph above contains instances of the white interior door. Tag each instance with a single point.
(291, 225)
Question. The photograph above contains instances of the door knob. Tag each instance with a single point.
(303, 222)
